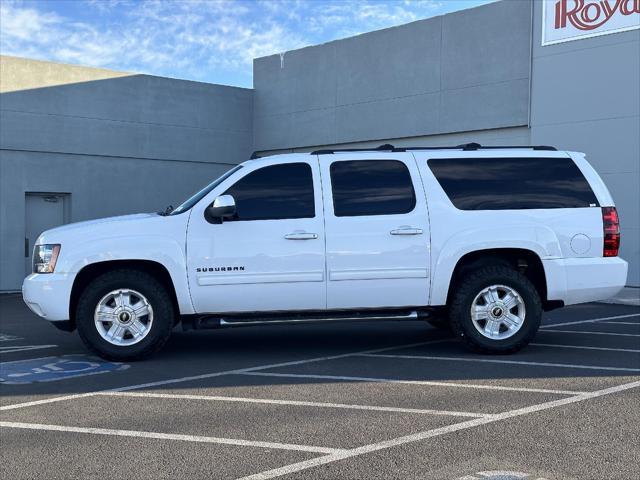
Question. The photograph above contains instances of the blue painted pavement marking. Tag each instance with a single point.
(51, 369)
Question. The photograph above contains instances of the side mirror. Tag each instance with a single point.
(222, 207)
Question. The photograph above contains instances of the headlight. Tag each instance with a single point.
(45, 258)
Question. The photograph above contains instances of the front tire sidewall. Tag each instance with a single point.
(462, 323)
(147, 286)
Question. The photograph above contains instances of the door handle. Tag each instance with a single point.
(301, 236)
(406, 231)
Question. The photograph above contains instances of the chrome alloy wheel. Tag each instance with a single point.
(123, 317)
(498, 312)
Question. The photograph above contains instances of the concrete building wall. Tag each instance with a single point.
(117, 143)
(586, 97)
(496, 136)
(128, 115)
(465, 71)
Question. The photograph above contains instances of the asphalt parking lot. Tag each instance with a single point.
(358, 401)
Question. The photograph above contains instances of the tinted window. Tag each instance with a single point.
(512, 183)
(371, 187)
(275, 192)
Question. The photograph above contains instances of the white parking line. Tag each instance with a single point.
(26, 360)
(593, 320)
(582, 347)
(508, 362)
(596, 333)
(23, 348)
(416, 382)
(297, 403)
(4, 337)
(436, 432)
(212, 375)
(46, 400)
(171, 436)
(621, 323)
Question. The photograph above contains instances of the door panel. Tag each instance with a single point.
(42, 212)
(261, 264)
(375, 260)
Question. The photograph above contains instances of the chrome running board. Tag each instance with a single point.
(219, 321)
(230, 323)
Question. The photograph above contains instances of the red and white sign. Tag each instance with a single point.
(566, 20)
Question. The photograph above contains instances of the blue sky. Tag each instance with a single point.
(205, 40)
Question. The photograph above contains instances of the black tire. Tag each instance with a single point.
(147, 285)
(464, 295)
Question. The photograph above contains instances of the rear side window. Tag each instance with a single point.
(274, 193)
(513, 183)
(371, 187)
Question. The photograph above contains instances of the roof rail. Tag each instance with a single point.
(477, 146)
(465, 147)
(386, 147)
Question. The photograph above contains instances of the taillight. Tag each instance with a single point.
(611, 225)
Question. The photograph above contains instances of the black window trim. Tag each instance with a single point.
(298, 162)
(403, 163)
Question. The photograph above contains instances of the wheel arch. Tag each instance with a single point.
(94, 270)
(524, 260)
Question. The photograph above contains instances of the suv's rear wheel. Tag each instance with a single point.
(125, 315)
(495, 310)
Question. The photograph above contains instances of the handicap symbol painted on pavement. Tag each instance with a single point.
(50, 369)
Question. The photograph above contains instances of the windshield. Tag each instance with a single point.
(191, 201)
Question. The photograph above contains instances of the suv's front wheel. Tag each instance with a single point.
(495, 309)
(125, 315)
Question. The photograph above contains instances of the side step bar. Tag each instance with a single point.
(206, 322)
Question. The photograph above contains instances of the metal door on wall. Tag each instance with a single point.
(42, 212)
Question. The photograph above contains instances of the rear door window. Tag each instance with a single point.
(371, 187)
(512, 183)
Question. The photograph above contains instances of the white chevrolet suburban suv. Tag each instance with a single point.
(480, 240)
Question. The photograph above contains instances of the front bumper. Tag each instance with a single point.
(48, 295)
(581, 280)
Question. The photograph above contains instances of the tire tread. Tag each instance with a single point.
(459, 308)
(162, 307)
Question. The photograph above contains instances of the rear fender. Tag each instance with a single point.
(540, 240)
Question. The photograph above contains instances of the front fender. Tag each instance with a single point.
(540, 240)
(163, 250)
